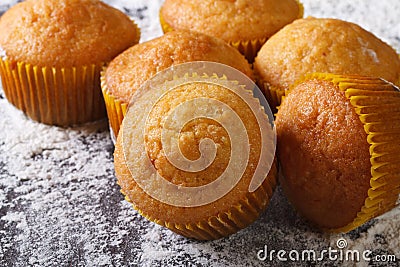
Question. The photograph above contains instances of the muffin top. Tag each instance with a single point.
(324, 45)
(129, 70)
(145, 131)
(65, 33)
(324, 153)
(231, 20)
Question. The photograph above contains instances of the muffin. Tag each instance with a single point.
(128, 71)
(52, 55)
(321, 45)
(338, 146)
(196, 151)
(244, 24)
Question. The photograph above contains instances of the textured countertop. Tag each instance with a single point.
(60, 206)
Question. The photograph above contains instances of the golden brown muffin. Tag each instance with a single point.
(321, 45)
(338, 148)
(142, 151)
(244, 24)
(55, 50)
(128, 71)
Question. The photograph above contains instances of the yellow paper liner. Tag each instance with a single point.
(246, 210)
(55, 96)
(116, 109)
(273, 94)
(248, 48)
(375, 102)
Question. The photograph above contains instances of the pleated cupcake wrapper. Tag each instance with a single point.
(243, 213)
(273, 94)
(116, 109)
(248, 48)
(373, 100)
(246, 211)
(55, 96)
